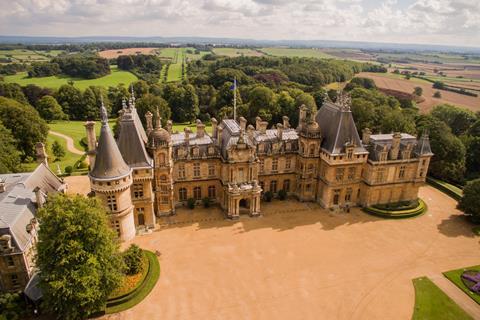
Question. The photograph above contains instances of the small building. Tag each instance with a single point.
(20, 196)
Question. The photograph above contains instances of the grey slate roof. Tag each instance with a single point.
(17, 203)
(108, 161)
(337, 128)
(132, 139)
(423, 146)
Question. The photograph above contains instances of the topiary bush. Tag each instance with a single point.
(191, 203)
(268, 196)
(206, 202)
(68, 170)
(133, 259)
(282, 194)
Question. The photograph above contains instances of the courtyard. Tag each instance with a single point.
(300, 261)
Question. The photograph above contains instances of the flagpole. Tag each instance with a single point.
(235, 98)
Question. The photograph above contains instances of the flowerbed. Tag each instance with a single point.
(402, 211)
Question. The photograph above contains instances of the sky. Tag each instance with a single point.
(445, 22)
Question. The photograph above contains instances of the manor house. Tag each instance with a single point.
(150, 172)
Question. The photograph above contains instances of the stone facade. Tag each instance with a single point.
(322, 160)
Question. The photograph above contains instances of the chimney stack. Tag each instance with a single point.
(303, 114)
(394, 150)
(41, 154)
(214, 127)
(243, 123)
(39, 197)
(219, 135)
(187, 132)
(250, 132)
(200, 129)
(258, 120)
(263, 127)
(91, 142)
(169, 126)
(280, 131)
(286, 122)
(366, 135)
(149, 118)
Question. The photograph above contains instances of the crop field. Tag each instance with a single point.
(168, 52)
(193, 56)
(22, 55)
(115, 78)
(387, 81)
(111, 54)
(293, 52)
(237, 52)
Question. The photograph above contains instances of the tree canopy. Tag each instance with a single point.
(470, 202)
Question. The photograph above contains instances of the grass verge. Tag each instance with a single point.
(432, 303)
(455, 277)
(451, 190)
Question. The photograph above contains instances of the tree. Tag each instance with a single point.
(77, 256)
(307, 100)
(149, 102)
(418, 91)
(49, 109)
(438, 85)
(33, 93)
(25, 123)
(12, 91)
(132, 257)
(437, 94)
(9, 155)
(58, 150)
(470, 202)
(71, 100)
(262, 102)
(190, 103)
(458, 119)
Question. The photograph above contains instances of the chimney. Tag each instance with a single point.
(366, 135)
(91, 142)
(3, 185)
(303, 114)
(40, 200)
(280, 131)
(214, 127)
(243, 123)
(200, 129)
(169, 126)
(219, 135)
(258, 120)
(263, 127)
(394, 150)
(41, 154)
(187, 134)
(250, 132)
(149, 118)
(286, 123)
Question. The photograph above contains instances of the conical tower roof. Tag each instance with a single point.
(109, 163)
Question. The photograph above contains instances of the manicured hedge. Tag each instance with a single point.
(398, 214)
(451, 190)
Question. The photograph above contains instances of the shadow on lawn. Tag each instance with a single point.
(456, 225)
(277, 215)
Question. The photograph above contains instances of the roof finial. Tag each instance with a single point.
(124, 103)
(158, 120)
(103, 112)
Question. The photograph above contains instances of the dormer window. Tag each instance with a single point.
(312, 150)
(261, 147)
(195, 151)
(288, 146)
(349, 153)
(211, 150)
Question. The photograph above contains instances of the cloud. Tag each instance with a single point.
(429, 21)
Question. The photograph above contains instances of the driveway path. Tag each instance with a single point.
(70, 145)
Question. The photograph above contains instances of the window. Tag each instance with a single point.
(348, 195)
(286, 185)
(424, 161)
(240, 175)
(288, 163)
(137, 190)
(310, 167)
(401, 173)
(196, 170)
(10, 261)
(274, 165)
(273, 186)
(164, 200)
(336, 196)
(211, 192)
(349, 153)
(164, 188)
(308, 187)
(421, 172)
(339, 172)
(312, 150)
(211, 169)
(182, 194)
(116, 227)
(112, 202)
(181, 170)
(262, 165)
(163, 178)
(14, 279)
(197, 193)
(380, 175)
(351, 173)
(161, 159)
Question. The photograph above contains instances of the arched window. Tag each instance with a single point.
(182, 194)
(197, 193)
(161, 158)
(211, 192)
(312, 150)
(163, 178)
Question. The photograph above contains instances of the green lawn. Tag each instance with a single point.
(193, 56)
(181, 126)
(431, 303)
(175, 69)
(236, 52)
(293, 52)
(23, 55)
(76, 129)
(168, 52)
(454, 276)
(115, 78)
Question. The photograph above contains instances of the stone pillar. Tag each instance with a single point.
(42, 156)
(286, 122)
(258, 121)
(394, 150)
(219, 135)
(200, 129)
(91, 142)
(214, 127)
(366, 136)
(280, 131)
(243, 123)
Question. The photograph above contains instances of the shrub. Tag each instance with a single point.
(68, 170)
(133, 259)
(437, 94)
(82, 165)
(268, 196)
(191, 203)
(84, 143)
(206, 202)
(282, 194)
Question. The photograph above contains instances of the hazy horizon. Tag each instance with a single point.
(430, 22)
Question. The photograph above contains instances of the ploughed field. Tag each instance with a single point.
(114, 53)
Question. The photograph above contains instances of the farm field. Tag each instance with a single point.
(22, 55)
(292, 52)
(387, 82)
(111, 54)
(115, 78)
(237, 52)
(193, 56)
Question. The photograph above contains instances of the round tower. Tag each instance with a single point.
(110, 180)
(160, 146)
